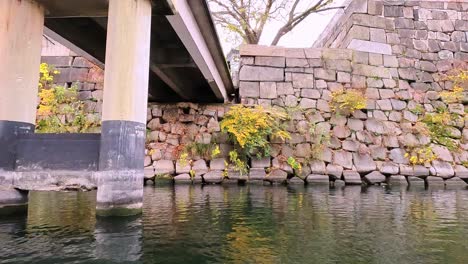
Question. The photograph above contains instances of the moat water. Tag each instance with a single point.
(246, 224)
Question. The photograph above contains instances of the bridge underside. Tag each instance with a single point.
(174, 74)
(152, 50)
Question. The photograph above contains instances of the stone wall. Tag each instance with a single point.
(372, 142)
(86, 76)
(428, 30)
(397, 51)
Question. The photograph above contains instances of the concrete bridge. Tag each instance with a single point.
(152, 50)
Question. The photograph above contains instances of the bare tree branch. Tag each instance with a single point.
(248, 18)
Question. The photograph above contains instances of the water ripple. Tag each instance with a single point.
(248, 224)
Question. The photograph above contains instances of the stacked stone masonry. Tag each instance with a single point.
(397, 51)
(88, 78)
(372, 140)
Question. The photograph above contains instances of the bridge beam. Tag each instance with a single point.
(120, 179)
(21, 29)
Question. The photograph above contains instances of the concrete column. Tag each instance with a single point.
(120, 180)
(21, 28)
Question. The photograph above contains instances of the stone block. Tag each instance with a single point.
(328, 75)
(375, 59)
(350, 145)
(164, 167)
(270, 61)
(378, 35)
(284, 88)
(303, 150)
(218, 164)
(261, 163)
(375, 7)
(461, 25)
(310, 93)
(256, 174)
(397, 155)
(182, 167)
(58, 61)
(249, 89)
(213, 177)
(370, 46)
(407, 73)
(297, 62)
(303, 80)
(148, 172)
(398, 180)
(334, 171)
(294, 53)
(393, 11)
(389, 168)
(337, 54)
(296, 180)
(404, 23)
(312, 53)
(307, 103)
(339, 65)
(317, 167)
(375, 126)
(375, 177)
(342, 77)
(440, 25)
(268, 90)
(359, 32)
(322, 105)
(443, 169)
(317, 179)
(432, 180)
(183, 178)
(461, 172)
(352, 178)
(257, 73)
(364, 162)
(200, 167)
(369, 21)
(341, 132)
(276, 176)
(371, 71)
(343, 158)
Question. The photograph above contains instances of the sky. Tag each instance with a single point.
(301, 36)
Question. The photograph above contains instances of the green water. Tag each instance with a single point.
(246, 224)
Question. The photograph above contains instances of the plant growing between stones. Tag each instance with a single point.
(345, 102)
(201, 149)
(59, 110)
(420, 155)
(240, 165)
(250, 128)
(439, 126)
(320, 139)
(418, 110)
(295, 165)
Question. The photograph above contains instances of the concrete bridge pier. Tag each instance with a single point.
(21, 29)
(120, 176)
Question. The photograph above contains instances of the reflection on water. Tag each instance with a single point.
(248, 224)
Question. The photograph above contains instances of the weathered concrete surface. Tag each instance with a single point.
(120, 192)
(12, 200)
(60, 180)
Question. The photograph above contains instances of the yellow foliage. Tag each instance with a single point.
(421, 155)
(454, 96)
(59, 110)
(251, 127)
(345, 102)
